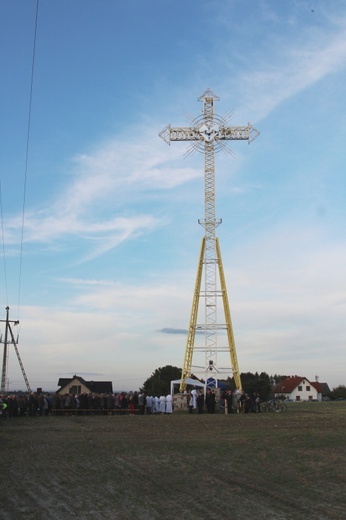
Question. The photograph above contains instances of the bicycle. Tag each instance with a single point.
(273, 406)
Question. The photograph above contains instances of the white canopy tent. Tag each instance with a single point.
(188, 381)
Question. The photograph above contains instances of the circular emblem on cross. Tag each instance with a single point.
(209, 131)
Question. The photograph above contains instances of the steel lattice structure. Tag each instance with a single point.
(209, 134)
(13, 341)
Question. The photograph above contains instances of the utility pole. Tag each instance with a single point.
(12, 341)
(209, 133)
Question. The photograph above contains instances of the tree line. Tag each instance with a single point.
(160, 380)
(159, 383)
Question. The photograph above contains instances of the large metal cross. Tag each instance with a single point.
(208, 134)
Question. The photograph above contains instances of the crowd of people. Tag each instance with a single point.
(138, 403)
(239, 401)
(44, 404)
(229, 402)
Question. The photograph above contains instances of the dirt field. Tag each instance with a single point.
(181, 466)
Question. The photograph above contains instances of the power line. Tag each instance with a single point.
(27, 152)
(3, 245)
(8, 326)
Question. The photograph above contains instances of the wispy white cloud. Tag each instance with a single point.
(137, 163)
(97, 206)
(290, 68)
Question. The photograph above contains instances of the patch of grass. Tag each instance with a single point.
(268, 465)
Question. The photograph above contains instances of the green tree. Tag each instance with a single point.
(277, 378)
(260, 383)
(339, 392)
(159, 383)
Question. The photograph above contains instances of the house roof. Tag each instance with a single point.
(101, 387)
(97, 387)
(287, 385)
(322, 388)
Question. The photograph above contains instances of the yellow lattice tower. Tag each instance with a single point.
(208, 134)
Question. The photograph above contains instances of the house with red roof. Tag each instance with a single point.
(298, 388)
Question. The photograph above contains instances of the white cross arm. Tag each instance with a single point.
(213, 132)
(169, 134)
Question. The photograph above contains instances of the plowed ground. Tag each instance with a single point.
(252, 466)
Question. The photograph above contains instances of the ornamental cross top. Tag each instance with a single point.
(209, 128)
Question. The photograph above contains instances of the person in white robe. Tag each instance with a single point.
(194, 398)
(156, 404)
(236, 395)
(169, 408)
(162, 404)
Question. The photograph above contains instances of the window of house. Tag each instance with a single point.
(300, 388)
(308, 389)
(76, 389)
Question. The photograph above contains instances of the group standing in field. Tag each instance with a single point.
(134, 403)
(230, 402)
(44, 404)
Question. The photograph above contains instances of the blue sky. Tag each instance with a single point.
(111, 236)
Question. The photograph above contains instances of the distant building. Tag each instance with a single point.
(78, 385)
(299, 388)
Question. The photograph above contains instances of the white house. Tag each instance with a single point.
(299, 388)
